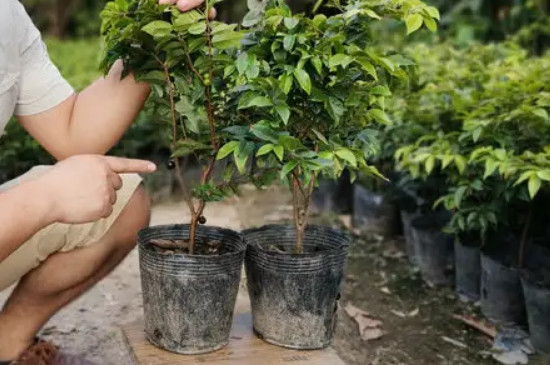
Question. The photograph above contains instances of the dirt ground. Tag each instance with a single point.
(416, 320)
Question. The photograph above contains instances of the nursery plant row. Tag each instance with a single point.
(468, 156)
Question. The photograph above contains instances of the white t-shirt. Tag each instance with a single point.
(29, 81)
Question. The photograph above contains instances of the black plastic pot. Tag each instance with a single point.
(334, 196)
(189, 300)
(467, 271)
(536, 287)
(294, 297)
(406, 219)
(373, 214)
(433, 248)
(502, 300)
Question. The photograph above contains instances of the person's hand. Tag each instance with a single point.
(82, 189)
(186, 5)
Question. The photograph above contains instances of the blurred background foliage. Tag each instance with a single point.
(71, 29)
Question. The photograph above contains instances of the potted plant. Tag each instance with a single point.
(190, 273)
(311, 89)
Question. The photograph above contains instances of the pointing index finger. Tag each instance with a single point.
(126, 165)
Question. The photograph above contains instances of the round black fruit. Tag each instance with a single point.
(202, 220)
(171, 164)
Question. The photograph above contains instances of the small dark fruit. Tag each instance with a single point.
(202, 220)
(171, 164)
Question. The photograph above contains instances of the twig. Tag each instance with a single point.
(523, 244)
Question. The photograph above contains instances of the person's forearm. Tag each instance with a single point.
(23, 212)
(103, 112)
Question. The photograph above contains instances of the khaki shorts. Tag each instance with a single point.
(59, 237)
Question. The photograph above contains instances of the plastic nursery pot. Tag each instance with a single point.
(433, 248)
(294, 297)
(536, 287)
(502, 300)
(189, 300)
(406, 219)
(373, 214)
(334, 196)
(468, 270)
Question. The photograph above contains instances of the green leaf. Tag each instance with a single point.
(290, 143)
(254, 101)
(413, 22)
(284, 112)
(372, 14)
(289, 41)
(265, 149)
(279, 152)
(227, 40)
(459, 194)
(303, 79)
(542, 113)
(433, 12)
(340, 59)
(526, 175)
(198, 28)
(318, 64)
(188, 146)
(158, 28)
(380, 116)
(242, 63)
(447, 159)
(288, 167)
(430, 24)
(460, 163)
(285, 82)
(227, 149)
(347, 155)
(291, 23)
(490, 167)
(544, 175)
(534, 186)
(335, 109)
(368, 67)
(320, 136)
(264, 132)
(187, 19)
(429, 164)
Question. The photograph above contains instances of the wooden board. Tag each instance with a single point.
(243, 349)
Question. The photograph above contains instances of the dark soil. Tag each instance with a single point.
(417, 320)
(172, 247)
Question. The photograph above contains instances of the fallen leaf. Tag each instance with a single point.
(454, 342)
(393, 254)
(414, 312)
(369, 328)
(480, 325)
(345, 220)
(398, 313)
(385, 290)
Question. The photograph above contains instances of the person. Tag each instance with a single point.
(64, 227)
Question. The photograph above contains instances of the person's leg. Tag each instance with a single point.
(64, 276)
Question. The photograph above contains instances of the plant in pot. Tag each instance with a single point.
(190, 273)
(510, 131)
(311, 90)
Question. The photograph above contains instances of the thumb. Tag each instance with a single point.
(126, 165)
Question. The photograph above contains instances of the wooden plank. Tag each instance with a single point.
(244, 348)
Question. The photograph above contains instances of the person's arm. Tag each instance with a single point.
(92, 121)
(23, 212)
(80, 189)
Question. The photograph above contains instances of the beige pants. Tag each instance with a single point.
(59, 237)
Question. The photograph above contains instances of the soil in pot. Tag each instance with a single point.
(373, 213)
(189, 300)
(536, 287)
(294, 297)
(468, 268)
(502, 300)
(406, 220)
(433, 248)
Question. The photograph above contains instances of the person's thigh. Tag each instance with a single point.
(60, 237)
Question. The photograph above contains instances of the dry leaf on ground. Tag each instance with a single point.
(369, 328)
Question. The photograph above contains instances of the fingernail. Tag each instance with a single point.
(163, 2)
(151, 167)
(183, 5)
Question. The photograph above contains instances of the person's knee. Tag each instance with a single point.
(134, 217)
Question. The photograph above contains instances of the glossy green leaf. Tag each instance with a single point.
(303, 79)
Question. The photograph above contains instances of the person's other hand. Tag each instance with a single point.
(82, 189)
(186, 5)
